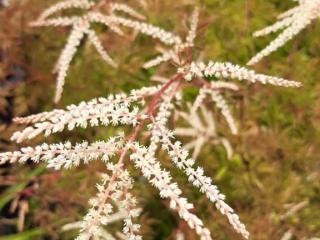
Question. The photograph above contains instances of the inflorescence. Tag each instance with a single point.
(292, 22)
(146, 112)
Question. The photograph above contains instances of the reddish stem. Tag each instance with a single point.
(157, 97)
(136, 130)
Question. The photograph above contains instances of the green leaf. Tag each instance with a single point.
(27, 235)
(14, 189)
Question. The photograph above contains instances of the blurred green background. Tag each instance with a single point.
(272, 181)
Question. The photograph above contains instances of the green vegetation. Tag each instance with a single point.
(272, 181)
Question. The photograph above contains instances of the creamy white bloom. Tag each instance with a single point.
(125, 9)
(202, 129)
(179, 46)
(220, 70)
(144, 160)
(228, 70)
(192, 34)
(92, 114)
(292, 22)
(65, 155)
(100, 214)
(146, 111)
(115, 185)
(76, 35)
(114, 110)
(62, 5)
(179, 156)
(148, 29)
(81, 27)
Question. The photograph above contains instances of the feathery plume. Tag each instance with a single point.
(62, 5)
(202, 130)
(292, 22)
(100, 213)
(95, 113)
(81, 27)
(147, 111)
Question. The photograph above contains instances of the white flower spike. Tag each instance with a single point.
(146, 112)
(292, 23)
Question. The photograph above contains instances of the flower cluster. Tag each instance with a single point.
(98, 112)
(103, 12)
(199, 72)
(202, 129)
(64, 155)
(147, 110)
(291, 22)
(116, 189)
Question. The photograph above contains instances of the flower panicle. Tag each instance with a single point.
(292, 22)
